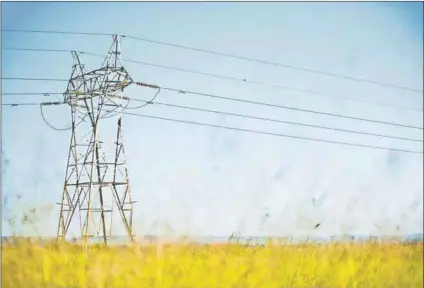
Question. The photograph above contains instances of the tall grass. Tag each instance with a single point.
(31, 264)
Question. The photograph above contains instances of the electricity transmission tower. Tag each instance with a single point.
(96, 185)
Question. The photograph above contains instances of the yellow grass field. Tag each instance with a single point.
(229, 265)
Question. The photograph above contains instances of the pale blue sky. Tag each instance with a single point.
(212, 182)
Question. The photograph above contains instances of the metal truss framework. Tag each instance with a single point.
(96, 183)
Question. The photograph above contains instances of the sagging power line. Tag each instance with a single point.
(250, 102)
(211, 52)
(241, 80)
(34, 79)
(269, 133)
(31, 93)
(272, 134)
(245, 116)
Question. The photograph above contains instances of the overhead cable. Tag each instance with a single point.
(33, 79)
(242, 80)
(290, 108)
(272, 134)
(31, 93)
(258, 118)
(257, 103)
(277, 64)
(279, 121)
(260, 61)
(55, 128)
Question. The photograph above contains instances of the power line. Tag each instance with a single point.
(47, 79)
(242, 80)
(32, 93)
(291, 108)
(276, 64)
(145, 102)
(281, 121)
(36, 49)
(281, 65)
(33, 104)
(271, 134)
(55, 128)
(260, 83)
(261, 118)
(34, 79)
(56, 32)
(19, 104)
(257, 103)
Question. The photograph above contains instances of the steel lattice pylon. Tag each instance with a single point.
(96, 184)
